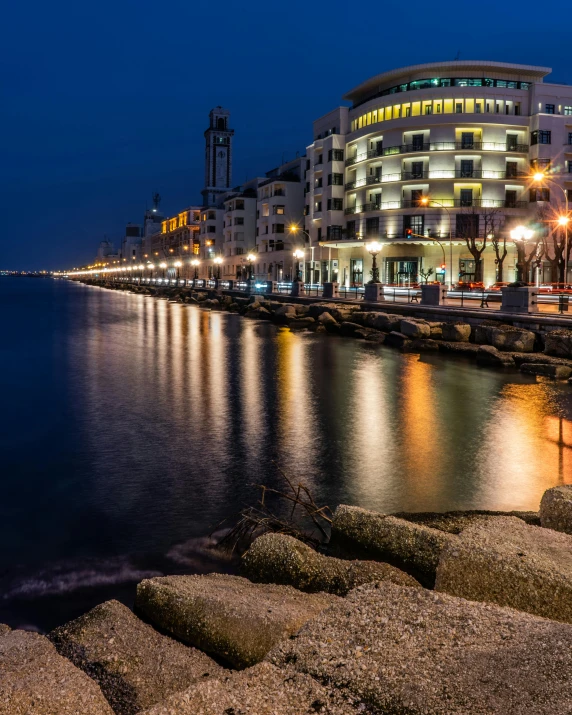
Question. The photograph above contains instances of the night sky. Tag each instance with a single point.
(104, 103)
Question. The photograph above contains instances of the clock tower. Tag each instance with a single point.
(218, 156)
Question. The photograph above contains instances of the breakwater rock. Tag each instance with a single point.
(486, 629)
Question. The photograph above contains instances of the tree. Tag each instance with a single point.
(553, 239)
(426, 274)
(478, 226)
(499, 241)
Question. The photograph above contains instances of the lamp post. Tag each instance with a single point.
(151, 267)
(373, 248)
(141, 268)
(426, 201)
(178, 265)
(250, 258)
(298, 255)
(163, 266)
(540, 178)
(218, 261)
(519, 235)
(195, 263)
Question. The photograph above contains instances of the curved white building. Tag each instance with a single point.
(435, 152)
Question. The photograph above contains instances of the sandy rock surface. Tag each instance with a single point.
(278, 558)
(556, 509)
(134, 665)
(228, 616)
(505, 561)
(261, 690)
(36, 680)
(410, 651)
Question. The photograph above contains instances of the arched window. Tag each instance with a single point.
(220, 123)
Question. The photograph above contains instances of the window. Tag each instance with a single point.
(541, 137)
(336, 155)
(318, 183)
(511, 169)
(371, 227)
(417, 142)
(549, 109)
(211, 229)
(467, 225)
(467, 168)
(335, 204)
(211, 215)
(317, 206)
(466, 197)
(239, 206)
(278, 228)
(477, 108)
(416, 196)
(569, 137)
(428, 109)
(279, 210)
(416, 169)
(517, 109)
(415, 223)
(334, 233)
(570, 167)
(239, 221)
(467, 140)
(319, 160)
(351, 229)
(458, 107)
(539, 194)
(335, 179)
(510, 199)
(568, 111)
(239, 251)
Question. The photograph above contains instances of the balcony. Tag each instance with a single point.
(437, 146)
(447, 203)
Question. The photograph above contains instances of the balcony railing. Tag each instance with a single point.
(440, 174)
(446, 203)
(437, 146)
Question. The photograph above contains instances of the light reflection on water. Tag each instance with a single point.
(151, 420)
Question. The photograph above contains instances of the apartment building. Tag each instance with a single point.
(435, 153)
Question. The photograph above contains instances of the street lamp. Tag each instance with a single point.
(298, 255)
(426, 201)
(178, 265)
(250, 258)
(519, 235)
(163, 266)
(195, 263)
(218, 261)
(141, 268)
(539, 177)
(373, 248)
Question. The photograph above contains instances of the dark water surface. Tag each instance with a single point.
(131, 426)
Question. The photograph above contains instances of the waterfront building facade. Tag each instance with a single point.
(438, 152)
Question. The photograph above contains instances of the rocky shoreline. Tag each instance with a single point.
(489, 343)
(416, 614)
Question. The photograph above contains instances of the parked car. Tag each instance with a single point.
(469, 286)
(555, 288)
(496, 287)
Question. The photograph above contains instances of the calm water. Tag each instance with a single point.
(131, 426)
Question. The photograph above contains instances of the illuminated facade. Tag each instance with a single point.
(435, 152)
(178, 236)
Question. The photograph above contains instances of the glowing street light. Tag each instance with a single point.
(163, 266)
(218, 261)
(426, 201)
(373, 248)
(539, 177)
(178, 265)
(250, 258)
(298, 255)
(195, 263)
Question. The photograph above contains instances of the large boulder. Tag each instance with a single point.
(455, 521)
(415, 329)
(413, 547)
(556, 509)
(227, 616)
(513, 339)
(505, 561)
(278, 558)
(36, 680)
(469, 349)
(397, 340)
(325, 318)
(301, 323)
(121, 653)
(261, 690)
(386, 322)
(559, 343)
(349, 329)
(556, 372)
(259, 313)
(457, 332)
(488, 356)
(409, 651)
(316, 309)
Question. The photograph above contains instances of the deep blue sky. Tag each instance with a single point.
(104, 103)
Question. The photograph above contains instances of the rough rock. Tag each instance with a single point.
(261, 690)
(285, 309)
(436, 330)
(412, 547)
(513, 339)
(397, 340)
(316, 309)
(457, 332)
(422, 346)
(134, 665)
(36, 680)
(325, 318)
(505, 561)
(458, 348)
(455, 521)
(211, 303)
(227, 616)
(409, 651)
(376, 337)
(559, 343)
(540, 358)
(260, 313)
(556, 509)
(556, 372)
(488, 356)
(386, 322)
(278, 558)
(415, 328)
(483, 332)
